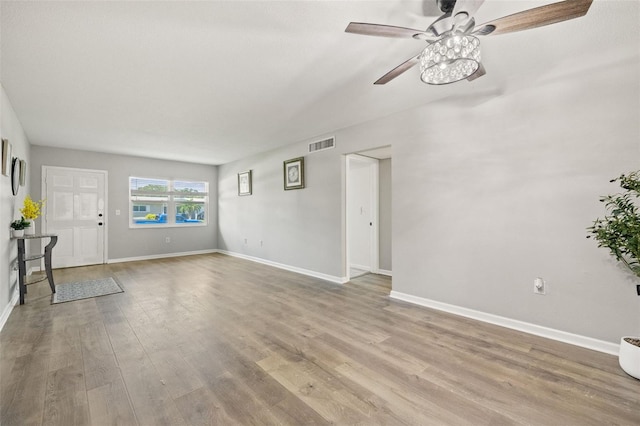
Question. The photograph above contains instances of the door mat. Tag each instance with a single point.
(68, 292)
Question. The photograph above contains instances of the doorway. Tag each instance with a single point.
(75, 210)
(368, 212)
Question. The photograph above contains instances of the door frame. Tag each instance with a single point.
(375, 205)
(43, 190)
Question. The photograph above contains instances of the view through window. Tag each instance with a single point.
(163, 202)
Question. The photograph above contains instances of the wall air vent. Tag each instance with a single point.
(322, 145)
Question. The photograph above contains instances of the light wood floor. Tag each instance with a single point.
(212, 339)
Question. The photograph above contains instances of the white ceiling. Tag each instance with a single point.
(214, 81)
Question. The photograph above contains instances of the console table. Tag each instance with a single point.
(23, 259)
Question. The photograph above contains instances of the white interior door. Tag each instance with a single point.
(362, 215)
(75, 211)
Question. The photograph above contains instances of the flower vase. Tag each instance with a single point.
(30, 230)
(17, 233)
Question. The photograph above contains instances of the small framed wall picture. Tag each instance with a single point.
(6, 157)
(294, 173)
(15, 175)
(244, 183)
(23, 172)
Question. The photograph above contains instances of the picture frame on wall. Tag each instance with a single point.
(23, 172)
(294, 173)
(6, 157)
(15, 175)
(244, 183)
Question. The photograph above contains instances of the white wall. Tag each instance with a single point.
(11, 129)
(123, 242)
(488, 194)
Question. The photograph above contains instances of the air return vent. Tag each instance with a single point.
(322, 145)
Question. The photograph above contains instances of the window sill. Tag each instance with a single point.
(168, 225)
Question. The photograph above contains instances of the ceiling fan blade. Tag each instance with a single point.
(479, 73)
(409, 63)
(536, 17)
(384, 30)
(470, 7)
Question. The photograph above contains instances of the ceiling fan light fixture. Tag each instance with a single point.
(452, 58)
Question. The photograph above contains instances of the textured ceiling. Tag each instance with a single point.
(214, 81)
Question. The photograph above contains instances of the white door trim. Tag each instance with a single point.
(105, 173)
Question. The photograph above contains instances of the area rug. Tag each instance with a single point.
(68, 292)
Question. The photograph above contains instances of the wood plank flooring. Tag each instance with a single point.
(211, 339)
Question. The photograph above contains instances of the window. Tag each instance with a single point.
(163, 203)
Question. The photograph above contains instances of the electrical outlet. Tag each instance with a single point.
(539, 286)
(261, 243)
(167, 240)
(245, 241)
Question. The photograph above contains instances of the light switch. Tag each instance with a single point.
(117, 212)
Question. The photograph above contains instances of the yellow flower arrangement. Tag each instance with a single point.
(31, 209)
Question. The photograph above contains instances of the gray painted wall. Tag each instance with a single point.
(489, 192)
(301, 228)
(11, 129)
(489, 196)
(124, 242)
(384, 214)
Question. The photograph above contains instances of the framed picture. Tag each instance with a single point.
(23, 172)
(6, 157)
(15, 175)
(244, 183)
(294, 173)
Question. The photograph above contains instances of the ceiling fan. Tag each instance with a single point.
(453, 49)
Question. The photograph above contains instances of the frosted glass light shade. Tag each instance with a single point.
(450, 59)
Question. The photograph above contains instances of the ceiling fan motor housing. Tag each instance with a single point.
(446, 6)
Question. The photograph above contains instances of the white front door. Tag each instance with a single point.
(75, 210)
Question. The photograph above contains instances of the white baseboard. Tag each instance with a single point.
(384, 272)
(332, 278)
(7, 309)
(538, 330)
(161, 256)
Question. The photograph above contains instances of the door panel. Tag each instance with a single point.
(75, 212)
(88, 240)
(87, 206)
(361, 214)
(62, 206)
(64, 247)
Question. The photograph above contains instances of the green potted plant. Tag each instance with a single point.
(18, 226)
(619, 231)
